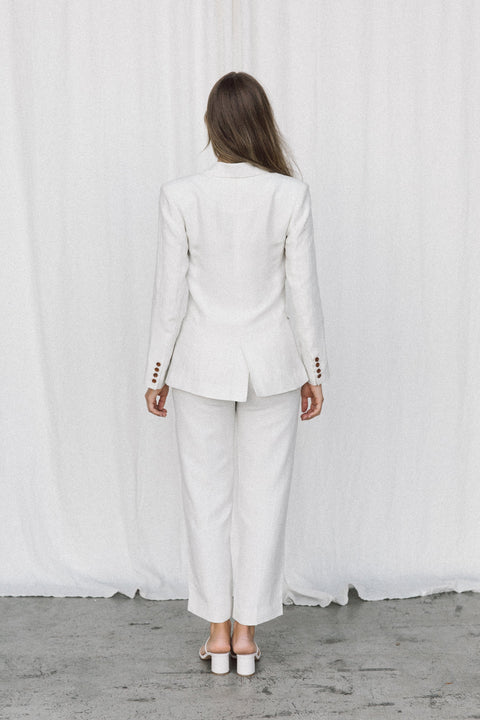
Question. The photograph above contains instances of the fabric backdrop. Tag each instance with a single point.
(103, 101)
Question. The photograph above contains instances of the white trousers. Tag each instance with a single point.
(236, 461)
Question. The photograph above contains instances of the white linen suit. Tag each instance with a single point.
(234, 240)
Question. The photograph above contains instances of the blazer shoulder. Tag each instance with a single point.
(293, 189)
(292, 183)
(178, 185)
(297, 184)
(178, 191)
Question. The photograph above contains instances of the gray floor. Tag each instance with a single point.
(118, 658)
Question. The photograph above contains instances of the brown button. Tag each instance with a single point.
(317, 358)
(158, 363)
(155, 374)
(154, 381)
(317, 364)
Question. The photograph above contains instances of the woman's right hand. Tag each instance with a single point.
(315, 394)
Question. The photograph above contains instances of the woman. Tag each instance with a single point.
(234, 240)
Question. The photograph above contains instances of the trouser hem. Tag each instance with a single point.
(256, 618)
(212, 614)
(219, 615)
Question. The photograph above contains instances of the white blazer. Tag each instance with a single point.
(236, 244)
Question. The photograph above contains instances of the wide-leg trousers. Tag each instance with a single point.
(236, 462)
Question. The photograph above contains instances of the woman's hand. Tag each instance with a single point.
(314, 392)
(154, 405)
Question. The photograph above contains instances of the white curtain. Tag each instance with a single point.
(102, 101)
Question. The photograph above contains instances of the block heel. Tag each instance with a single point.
(246, 662)
(220, 664)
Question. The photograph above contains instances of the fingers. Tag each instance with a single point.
(156, 401)
(153, 406)
(304, 402)
(316, 402)
(312, 412)
(161, 403)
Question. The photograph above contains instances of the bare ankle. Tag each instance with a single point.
(220, 627)
(240, 629)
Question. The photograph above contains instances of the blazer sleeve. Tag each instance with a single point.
(302, 280)
(170, 292)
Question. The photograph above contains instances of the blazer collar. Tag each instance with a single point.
(238, 169)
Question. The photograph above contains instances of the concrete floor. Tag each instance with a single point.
(121, 659)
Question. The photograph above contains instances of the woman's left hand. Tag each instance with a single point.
(156, 400)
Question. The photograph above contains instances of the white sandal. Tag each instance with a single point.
(220, 661)
(246, 661)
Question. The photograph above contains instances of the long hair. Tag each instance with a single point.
(241, 126)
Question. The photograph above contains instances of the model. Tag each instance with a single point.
(237, 334)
